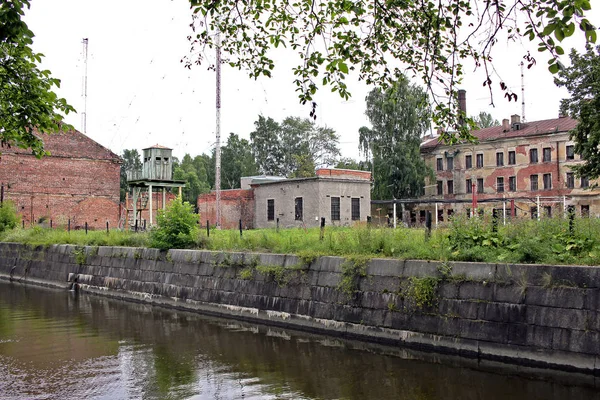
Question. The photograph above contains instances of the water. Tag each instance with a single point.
(59, 345)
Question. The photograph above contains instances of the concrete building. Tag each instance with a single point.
(341, 196)
(78, 181)
(520, 169)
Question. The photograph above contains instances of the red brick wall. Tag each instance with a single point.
(343, 173)
(157, 204)
(236, 204)
(58, 188)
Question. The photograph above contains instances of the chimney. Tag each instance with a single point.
(505, 125)
(515, 119)
(462, 104)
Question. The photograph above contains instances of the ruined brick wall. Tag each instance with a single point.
(236, 204)
(78, 181)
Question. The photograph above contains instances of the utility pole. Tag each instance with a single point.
(84, 85)
(218, 133)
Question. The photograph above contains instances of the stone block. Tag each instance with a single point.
(328, 264)
(575, 276)
(420, 268)
(385, 267)
(324, 294)
(474, 271)
(381, 284)
(568, 318)
(328, 279)
(323, 311)
(458, 308)
(508, 294)
(555, 297)
(448, 290)
(424, 323)
(584, 342)
(475, 290)
(502, 312)
(561, 339)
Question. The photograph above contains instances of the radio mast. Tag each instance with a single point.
(84, 85)
(218, 133)
(523, 119)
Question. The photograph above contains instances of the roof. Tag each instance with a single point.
(533, 128)
(70, 144)
(157, 146)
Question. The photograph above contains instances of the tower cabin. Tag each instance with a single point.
(156, 173)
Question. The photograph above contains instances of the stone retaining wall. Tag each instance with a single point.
(528, 314)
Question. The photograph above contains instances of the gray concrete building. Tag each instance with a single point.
(342, 196)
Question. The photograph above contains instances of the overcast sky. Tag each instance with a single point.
(140, 94)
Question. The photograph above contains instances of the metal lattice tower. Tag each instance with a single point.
(84, 85)
(218, 133)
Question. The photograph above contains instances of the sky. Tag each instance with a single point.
(139, 93)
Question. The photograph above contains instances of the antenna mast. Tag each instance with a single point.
(84, 85)
(218, 133)
(522, 93)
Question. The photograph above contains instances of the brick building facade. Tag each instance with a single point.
(236, 204)
(521, 168)
(78, 181)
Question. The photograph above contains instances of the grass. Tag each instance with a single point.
(548, 241)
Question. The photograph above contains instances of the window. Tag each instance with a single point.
(270, 209)
(450, 163)
(479, 160)
(440, 164)
(158, 160)
(166, 160)
(469, 186)
(533, 179)
(335, 208)
(500, 184)
(512, 183)
(499, 159)
(533, 212)
(533, 157)
(585, 211)
(355, 209)
(440, 188)
(585, 183)
(479, 185)
(298, 209)
(547, 181)
(548, 211)
(546, 154)
(570, 180)
(468, 210)
(512, 157)
(450, 213)
(570, 152)
(468, 161)
(450, 187)
(440, 215)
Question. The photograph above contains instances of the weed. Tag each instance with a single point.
(80, 256)
(353, 268)
(169, 257)
(423, 291)
(392, 307)
(246, 273)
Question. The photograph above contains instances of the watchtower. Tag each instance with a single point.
(156, 172)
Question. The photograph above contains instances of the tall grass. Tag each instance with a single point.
(524, 241)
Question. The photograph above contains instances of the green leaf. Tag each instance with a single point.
(343, 67)
(553, 68)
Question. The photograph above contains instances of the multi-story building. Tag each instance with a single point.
(520, 169)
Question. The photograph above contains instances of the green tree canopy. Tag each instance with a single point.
(194, 172)
(236, 161)
(27, 102)
(349, 163)
(399, 117)
(582, 80)
(485, 120)
(294, 147)
(379, 41)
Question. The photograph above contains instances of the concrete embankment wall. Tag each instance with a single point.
(528, 314)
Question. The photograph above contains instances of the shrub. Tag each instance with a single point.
(8, 216)
(177, 227)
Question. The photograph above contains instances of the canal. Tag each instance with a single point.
(60, 345)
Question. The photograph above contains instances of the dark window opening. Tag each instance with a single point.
(533, 212)
(355, 209)
(479, 160)
(585, 211)
(512, 158)
(570, 152)
(512, 183)
(499, 159)
(548, 211)
(570, 180)
(440, 188)
(450, 163)
(298, 209)
(270, 210)
(547, 181)
(468, 161)
(533, 179)
(533, 156)
(500, 184)
(440, 164)
(546, 154)
(450, 187)
(335, 208)
(479, 185)
(440, 215)
(585, 183)
(469, 186)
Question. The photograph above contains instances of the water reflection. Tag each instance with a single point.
(54, 344)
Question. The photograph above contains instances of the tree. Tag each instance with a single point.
(349, 163)
(399, 116)
(193, 172)
(382, 40)
(293, 148)
(131, 162)
(485, 120)
(236, 161)
(582, 80)
(27, 102)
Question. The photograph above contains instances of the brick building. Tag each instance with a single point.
(520, 168)
(341, 196)
(78, 181)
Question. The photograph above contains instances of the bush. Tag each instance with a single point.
(8, 216)
(177, 227)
